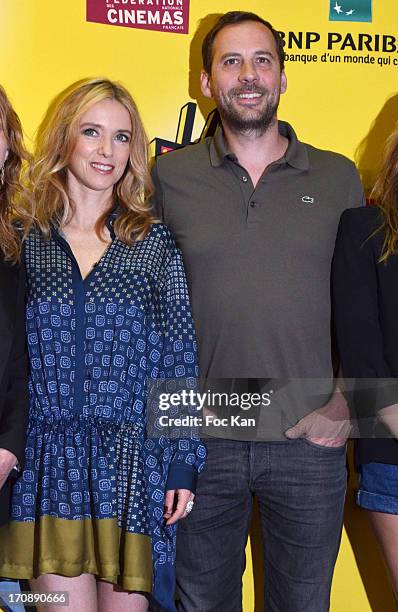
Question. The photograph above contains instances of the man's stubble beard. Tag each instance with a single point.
(240, 123)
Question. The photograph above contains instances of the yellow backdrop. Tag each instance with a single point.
(347, 103)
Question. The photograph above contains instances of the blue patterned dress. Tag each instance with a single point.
(91, 495)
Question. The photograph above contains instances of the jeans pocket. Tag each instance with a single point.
(323, 447)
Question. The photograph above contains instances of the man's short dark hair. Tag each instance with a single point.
(234, 18)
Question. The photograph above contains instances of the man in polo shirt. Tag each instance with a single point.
(255, 213)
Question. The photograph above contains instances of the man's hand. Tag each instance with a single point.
(389, 417)
(7, 461)
(327, 426)
(175, 503)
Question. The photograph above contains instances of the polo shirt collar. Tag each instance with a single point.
(296, 154)
(219, 149)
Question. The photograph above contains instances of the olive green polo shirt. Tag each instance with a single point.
(258, 259)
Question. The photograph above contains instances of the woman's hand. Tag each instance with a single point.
(175, 504)
(7, 462)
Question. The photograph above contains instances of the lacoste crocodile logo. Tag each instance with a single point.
(308, 200)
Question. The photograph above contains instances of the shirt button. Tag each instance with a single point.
(244, 179)
(253, 204)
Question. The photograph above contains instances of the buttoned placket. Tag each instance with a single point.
(79, 285)
(252, 199)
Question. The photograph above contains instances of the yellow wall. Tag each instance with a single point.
(47, 44)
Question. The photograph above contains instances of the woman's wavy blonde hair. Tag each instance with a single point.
(56, 140)
(385, 194)
(10, 187)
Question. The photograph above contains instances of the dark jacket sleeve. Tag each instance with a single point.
(14, 417)
(356, 315)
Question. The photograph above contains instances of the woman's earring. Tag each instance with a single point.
(2, 175)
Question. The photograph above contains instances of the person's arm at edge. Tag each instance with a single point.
(13, 423)
(355, 300)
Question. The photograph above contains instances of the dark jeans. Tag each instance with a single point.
(300, 488)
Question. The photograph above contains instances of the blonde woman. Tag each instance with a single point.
(107, 310)
(13, 364)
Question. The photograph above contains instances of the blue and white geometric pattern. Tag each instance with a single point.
(93, 345)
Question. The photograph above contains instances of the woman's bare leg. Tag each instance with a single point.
(385, 527)
(82, 592)
(112, 598)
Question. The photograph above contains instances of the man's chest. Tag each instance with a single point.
(220, 216)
